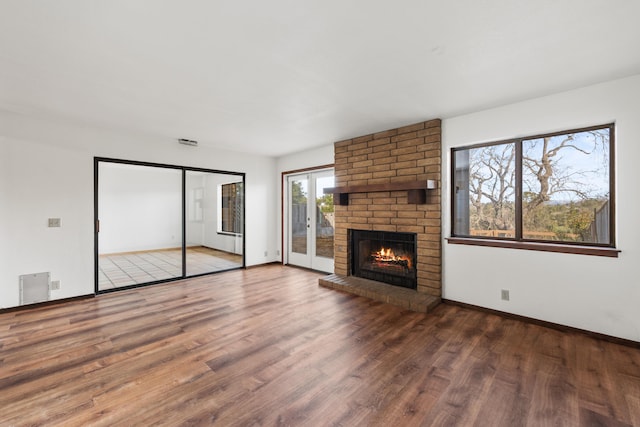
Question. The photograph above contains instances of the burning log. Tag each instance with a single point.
(387, 257)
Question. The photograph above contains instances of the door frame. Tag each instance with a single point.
(284, 190)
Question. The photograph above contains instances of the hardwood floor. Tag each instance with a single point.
(268, 346)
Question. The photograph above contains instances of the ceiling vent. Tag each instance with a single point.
(188, 142)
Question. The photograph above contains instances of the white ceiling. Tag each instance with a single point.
(279, 76)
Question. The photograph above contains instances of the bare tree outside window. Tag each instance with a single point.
(564, 181)
(492, 189)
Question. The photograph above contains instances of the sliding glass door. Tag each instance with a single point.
(156, 223)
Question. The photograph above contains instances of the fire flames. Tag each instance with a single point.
(386, 255)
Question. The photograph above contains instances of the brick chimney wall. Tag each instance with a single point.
(404, 154)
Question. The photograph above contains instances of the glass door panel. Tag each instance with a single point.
(299, 220)
(140, 224)
(324, 220)
(214, 222)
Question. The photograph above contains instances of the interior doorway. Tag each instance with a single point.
(156, 223)
(310, 220)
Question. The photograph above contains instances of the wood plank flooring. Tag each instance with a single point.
(268, 346)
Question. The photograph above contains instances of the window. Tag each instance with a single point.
(231, 198)
(555, 188)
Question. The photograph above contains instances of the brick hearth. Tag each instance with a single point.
(403, 297)
(407, 154)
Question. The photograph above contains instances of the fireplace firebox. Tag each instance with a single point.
(384, 256)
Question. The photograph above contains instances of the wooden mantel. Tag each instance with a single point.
(417, 190)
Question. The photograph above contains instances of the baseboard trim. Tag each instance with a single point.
(543, 323)
(45, 303)
(304, 268)
(263, 264)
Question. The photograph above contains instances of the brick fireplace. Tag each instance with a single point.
(390, 182)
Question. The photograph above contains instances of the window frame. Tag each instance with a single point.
(519, 242)
(221, 209)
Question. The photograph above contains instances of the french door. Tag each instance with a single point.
(310, 220)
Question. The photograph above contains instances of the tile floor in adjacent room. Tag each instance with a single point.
(132, 268)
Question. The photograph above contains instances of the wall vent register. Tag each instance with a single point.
(35, 288)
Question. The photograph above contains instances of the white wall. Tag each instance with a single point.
(140, 208)
(40, 185)
(194, 181)
(47, 171)
(5, 250)
(588, 292)
(319, 156)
